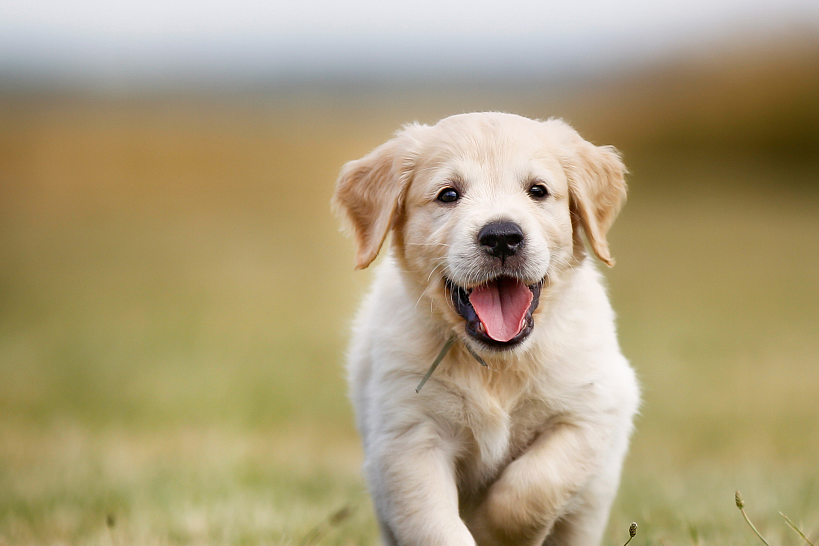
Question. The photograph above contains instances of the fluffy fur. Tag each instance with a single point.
(529, 450)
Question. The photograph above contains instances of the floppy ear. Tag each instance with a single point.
(597, 191)
(369, 192)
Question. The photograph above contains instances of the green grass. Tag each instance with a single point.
(175, 299)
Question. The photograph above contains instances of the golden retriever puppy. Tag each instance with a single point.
(519, 435)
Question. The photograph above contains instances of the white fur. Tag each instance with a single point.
(527, 451)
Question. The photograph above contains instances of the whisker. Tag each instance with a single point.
(428, 287)
(423, 293)
(430, 243)
(442, 262)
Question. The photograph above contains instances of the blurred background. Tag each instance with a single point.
(175, 296)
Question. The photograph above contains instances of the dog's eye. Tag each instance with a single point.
(448, 195)
(538, 191)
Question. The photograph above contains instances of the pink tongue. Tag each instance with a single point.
(501, 305)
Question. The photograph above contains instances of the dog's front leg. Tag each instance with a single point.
(412, 478)
(522, 506)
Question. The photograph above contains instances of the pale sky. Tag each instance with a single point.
(115, 38)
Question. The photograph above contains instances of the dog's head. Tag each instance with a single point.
(486, 210)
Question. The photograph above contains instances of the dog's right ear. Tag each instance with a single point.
(370, 192)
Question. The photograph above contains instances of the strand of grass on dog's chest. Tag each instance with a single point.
(440, 357)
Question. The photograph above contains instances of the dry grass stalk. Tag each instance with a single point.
(741, 505)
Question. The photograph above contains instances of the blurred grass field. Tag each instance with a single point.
(175, 298)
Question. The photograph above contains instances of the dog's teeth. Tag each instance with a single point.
(481, 328)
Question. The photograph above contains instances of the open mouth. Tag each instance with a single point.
(498, 312)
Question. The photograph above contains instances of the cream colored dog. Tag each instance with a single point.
(486, 212)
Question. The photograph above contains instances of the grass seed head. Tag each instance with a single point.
(632, 530)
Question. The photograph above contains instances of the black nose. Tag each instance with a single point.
(501, 239)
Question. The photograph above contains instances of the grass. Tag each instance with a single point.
(186, 485)
(174, 304)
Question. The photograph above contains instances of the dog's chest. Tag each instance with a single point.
(499, 430)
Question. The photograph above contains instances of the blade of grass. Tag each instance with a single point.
(435, 363)
(795, 528)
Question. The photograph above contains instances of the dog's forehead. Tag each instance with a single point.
(489, 143)
(487, 137)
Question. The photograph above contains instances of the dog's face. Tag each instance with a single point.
(486, 210)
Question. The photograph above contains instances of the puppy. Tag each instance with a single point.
(519, 435)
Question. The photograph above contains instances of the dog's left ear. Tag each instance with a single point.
(369, 193)
(597, 190)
